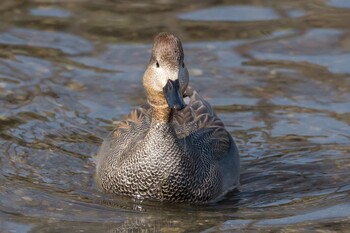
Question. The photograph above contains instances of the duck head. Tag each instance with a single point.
(166, 77)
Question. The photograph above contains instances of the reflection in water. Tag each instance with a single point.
(232, 13)
(50, 12)
(324, 47)
(278, 78)
(66, 43)
(339, 3)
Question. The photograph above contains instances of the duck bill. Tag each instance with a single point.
(173, 96)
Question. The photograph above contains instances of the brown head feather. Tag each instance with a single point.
(168, 49)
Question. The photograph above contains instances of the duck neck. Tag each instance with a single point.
(161, 114)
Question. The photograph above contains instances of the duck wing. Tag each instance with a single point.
(138, 121)
(125, 136)
(198, 125)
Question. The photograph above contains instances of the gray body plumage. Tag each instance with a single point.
(191, 158)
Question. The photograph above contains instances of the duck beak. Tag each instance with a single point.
(173, 96)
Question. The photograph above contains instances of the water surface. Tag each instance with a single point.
(276, 72)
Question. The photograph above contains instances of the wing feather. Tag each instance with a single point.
(199, 122)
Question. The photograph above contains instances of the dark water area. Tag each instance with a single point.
(276, 71)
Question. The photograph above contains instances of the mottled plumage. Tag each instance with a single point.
(165, 154)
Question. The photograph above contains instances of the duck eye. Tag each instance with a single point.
(157, 64)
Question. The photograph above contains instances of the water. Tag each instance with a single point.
(277, 73)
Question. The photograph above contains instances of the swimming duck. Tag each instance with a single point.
(166, 149)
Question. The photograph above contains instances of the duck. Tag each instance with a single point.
(174, 147)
